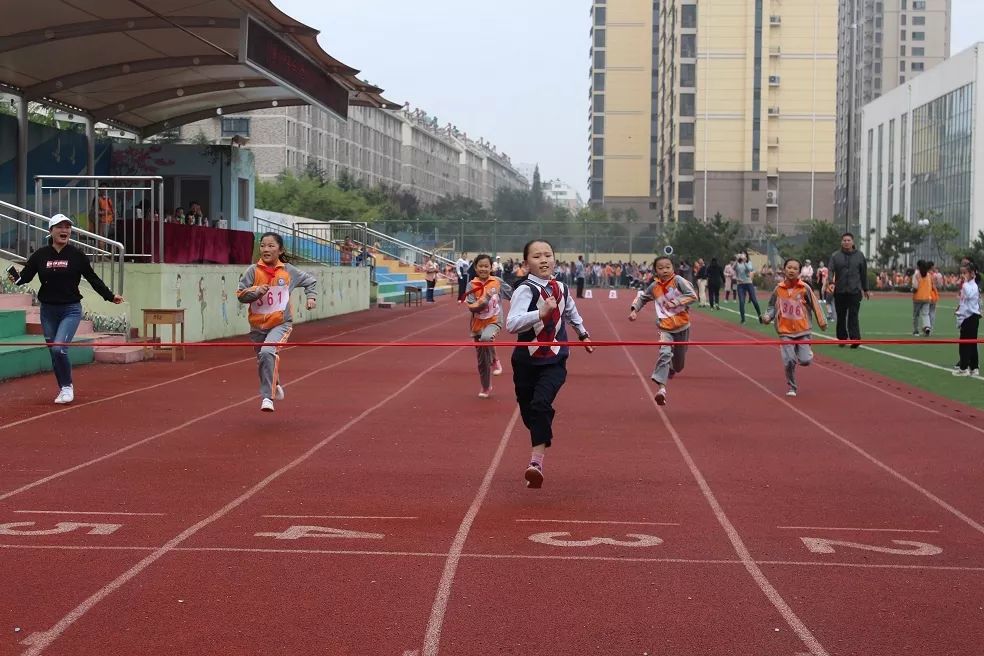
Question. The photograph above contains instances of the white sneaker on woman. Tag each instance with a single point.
(66, 395)
(278, 394)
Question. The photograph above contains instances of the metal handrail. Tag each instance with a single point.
(94, 244)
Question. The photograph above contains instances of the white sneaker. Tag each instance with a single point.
(791, 393)
(661, 396)
(975, 372)
(267, 405)
(485, 393)
(66, 395)
(497, 368)
(278, 394)
(958, 372)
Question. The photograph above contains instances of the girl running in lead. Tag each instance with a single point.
(672, 294)
(484, 298)
(790, 307)
(266, 287)
(539, 313)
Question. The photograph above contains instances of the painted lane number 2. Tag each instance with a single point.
(553, 539)
(905, 547)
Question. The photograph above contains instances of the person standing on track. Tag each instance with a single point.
(848, 282)
(746, 285)
(266, 286)
(969, 320)
(791, 305)
(484, 299)
(61, 266)
(671, 294)
(461, 268)
(539, 313)
(430, 275)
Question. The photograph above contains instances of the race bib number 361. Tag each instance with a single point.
(275, 300)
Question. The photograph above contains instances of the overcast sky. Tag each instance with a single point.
(512, 71)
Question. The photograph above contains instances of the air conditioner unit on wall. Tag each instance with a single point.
(772, 197)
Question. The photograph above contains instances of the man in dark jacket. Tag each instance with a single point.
(848, 281)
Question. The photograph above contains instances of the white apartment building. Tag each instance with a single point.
(562, 194)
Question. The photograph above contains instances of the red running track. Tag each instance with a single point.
(381, 509)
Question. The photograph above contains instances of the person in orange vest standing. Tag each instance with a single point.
(105, 213)
(922, 297)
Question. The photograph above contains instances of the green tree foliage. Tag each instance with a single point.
(975, 251)
(822, 240)
(901, 239)
(719, 237)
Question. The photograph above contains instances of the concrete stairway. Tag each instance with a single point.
(392, 276)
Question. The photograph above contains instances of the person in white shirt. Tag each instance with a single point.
(461, 268)
(806, 273)
(968, 320)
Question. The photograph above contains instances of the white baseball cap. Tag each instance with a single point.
(58, 218)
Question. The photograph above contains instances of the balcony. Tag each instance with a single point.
(775, 21)
(773, 172)
(775, 51)
(773, 142)
(774, 111)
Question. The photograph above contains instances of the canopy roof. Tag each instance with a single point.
(153, 65)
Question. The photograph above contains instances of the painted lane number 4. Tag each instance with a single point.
(554, 540)
(908, 547)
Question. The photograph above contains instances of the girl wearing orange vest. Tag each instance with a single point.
(484, 300)
(922, 297)
(791, 305)
(671, 294)
(266, 286)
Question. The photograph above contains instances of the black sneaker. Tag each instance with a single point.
(534, 476)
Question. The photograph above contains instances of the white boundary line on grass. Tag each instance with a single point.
(881, 352)
(38, 642)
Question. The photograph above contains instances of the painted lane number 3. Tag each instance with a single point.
(553, 539)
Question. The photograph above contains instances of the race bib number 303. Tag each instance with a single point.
(275, 300)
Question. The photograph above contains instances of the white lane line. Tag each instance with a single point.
(76, 406)
(87, 512)
(596, 521)
(190, 422)
(842, 374)
(487, 556)
(38, 642)
(949, 370)
(333, 517)
(880, 530)
(771, 593)
(432, 637)
(854, 447)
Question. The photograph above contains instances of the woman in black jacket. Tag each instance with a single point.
(61, 266)
(715, 280)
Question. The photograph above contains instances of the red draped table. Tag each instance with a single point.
(186, 244)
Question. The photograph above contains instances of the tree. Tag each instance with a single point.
(718, 238)
(975, 251)
(941, 235)
(822, 239)
(900, 240)
(536, 193)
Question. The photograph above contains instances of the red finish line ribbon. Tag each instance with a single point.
(473, 344)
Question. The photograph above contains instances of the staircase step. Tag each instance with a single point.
(121, 355)
(34, 326)
(15, 301)
(29, 359)
(12, 322)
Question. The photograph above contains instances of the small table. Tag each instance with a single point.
(154, 317)
(412, 295)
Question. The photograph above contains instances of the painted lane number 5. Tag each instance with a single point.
(638, 540)
(824, 546)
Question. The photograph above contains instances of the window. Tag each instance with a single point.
(686, 134)
(599, 81)
(597, 146)
(918, 20)
(901, 79)
(903, 35)
(233, 126)
(918, 52)
(598, 168)
(599, 16)
(687, 104)
(918, 66)
(688, 46)
(599, 124)
(599, 38)
(596, 190)
(599, 102)
(754, 215)
(686, 193)
(902, 51)
(903, 19)
(686, 215)
(918, 36)
(902, 65)
(688, 75)
(599, 59)
(755, 185)
(686, 163)
(688, 16)
(919, 5)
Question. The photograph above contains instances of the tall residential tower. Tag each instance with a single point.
(746, 111)
(882, 45)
